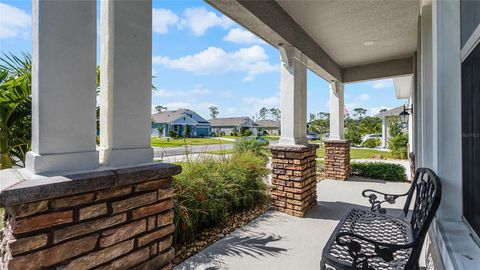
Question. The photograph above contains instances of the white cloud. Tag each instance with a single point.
(273, 101)
(199, 107)
(380, 84)
(199, 20)
(375, 110)
(13, 22)
(248, 78)
(364, 97)
(162, 19)
(198, 90)
(238, 35)
(252, 60)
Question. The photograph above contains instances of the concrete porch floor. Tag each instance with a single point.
(278, 241)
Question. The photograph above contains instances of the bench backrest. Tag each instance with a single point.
(426, 192)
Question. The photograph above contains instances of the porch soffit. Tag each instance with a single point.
(336, 35)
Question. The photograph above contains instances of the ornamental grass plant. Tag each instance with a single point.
(210, 189)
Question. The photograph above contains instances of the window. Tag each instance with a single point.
(471, 138)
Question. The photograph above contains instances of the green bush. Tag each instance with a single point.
(371, 143)
(209, 190)
(380, 170)
(353, 135)
(247, 132)
(172, 133)
(398, 144)
(256, 147)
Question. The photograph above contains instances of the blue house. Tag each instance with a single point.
(180, 121)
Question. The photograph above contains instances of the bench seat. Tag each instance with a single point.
(375, 226)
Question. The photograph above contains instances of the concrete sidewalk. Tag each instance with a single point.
(278, 241)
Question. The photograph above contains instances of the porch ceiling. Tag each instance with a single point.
(346, 29)
(335, 34)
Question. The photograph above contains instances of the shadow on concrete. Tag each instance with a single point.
(355, 178)
(252, 245)
(336, 210)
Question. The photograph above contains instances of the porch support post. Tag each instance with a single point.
(126, 82)
(293, 159)
(384, 131)
(63, 87)
(337, 149)
(293, 90)
(337, 105)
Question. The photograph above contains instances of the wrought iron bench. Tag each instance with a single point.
(375, 240)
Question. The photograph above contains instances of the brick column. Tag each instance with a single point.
(294, 185)
(115, 219)
(337, 159)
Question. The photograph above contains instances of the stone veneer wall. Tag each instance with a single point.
(294, 185)
(127, 225)
(337, 159)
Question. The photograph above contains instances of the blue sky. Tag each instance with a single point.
(202, 59)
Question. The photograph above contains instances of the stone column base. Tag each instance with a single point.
(294, 183)
(111, 219)
(337, 159)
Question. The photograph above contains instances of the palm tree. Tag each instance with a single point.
(15, 109)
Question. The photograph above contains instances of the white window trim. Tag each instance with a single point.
(471, 43)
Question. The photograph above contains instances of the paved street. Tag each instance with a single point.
(160, 152)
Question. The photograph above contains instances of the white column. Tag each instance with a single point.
(336, 111)
(293, 88)
(63, 86)
(384, 131)
(126, 82)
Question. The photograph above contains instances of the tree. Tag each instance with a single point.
(312, 117)
(213, 112)
(320, 123)
(275, 113)
(383, 110)
(394, 127)
(359, 113)
(160, 108)
(15, 109)
(263, 113)
(370, 125)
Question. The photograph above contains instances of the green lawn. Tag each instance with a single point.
(272, 138)
(360, 153)
(354, 153)
(157, 142)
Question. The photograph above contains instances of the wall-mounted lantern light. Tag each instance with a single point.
(404, 115)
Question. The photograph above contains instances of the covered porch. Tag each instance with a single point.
(277, 240)
(114, 205)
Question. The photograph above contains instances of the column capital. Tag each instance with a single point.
(288, 54)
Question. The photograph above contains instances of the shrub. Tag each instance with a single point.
(256, 147)
(210, 189)
(398, 145)
(234, 132)
(380, 170)
(247, 132)
(371, 143)
(172, 133)
(353, 135)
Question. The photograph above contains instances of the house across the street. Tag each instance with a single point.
(388, 117)
(268, 127)
(180, 122)
(230, 124)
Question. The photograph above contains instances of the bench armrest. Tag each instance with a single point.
(377, 204)
(360, 258)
